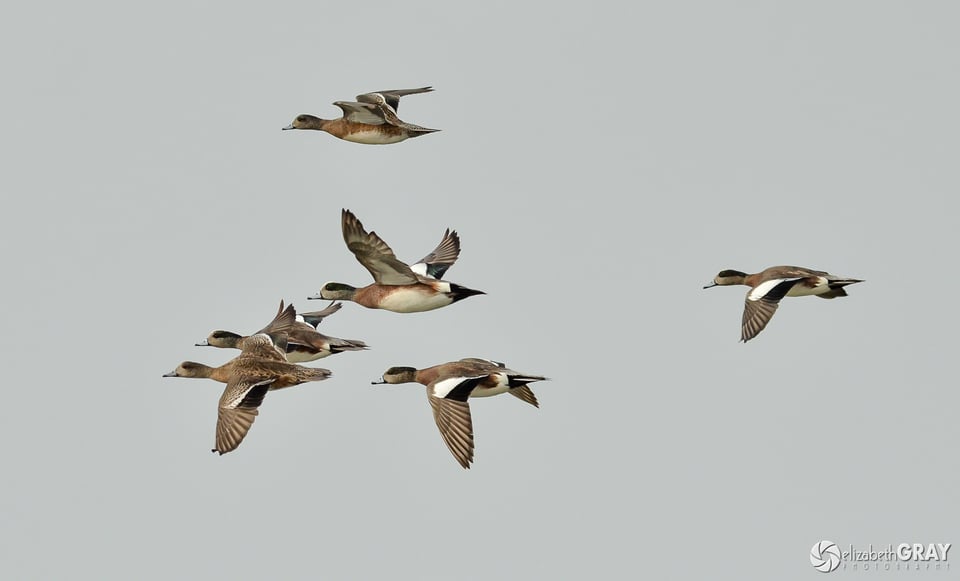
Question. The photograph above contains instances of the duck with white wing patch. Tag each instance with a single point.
(774, 283)
(450, 385)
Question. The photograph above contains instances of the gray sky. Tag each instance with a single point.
(601, 163)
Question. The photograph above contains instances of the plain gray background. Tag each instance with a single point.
(601, 162)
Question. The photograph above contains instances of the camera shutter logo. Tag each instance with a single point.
(825, 556)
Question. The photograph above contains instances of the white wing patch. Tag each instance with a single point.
(419, 268)
(443, 387)
(765, 287)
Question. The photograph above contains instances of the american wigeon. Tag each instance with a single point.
(260, 368)
(774, 283)
(302, 342)
(282, 323)
(449, 385)
(371, 119)
(397, 286)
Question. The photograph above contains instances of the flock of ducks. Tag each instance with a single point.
(269, 359)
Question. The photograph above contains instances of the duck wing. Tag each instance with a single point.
(435, 264)
(391, 96)
(456, 427)
(762, 302)
(451, 412)
(366, 113)
(390, 117)
(261, 346)
(277, 329)
(237, 410)
(314, 318)
(374, 254)
(481, 363)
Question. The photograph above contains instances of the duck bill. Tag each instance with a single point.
(288, 127)
(314, 297)
(711, 285)
(171, 374)
(202, 344)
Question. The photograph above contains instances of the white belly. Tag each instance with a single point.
(374, 138)
(413, 302)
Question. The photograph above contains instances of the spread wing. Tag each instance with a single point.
(456, 427)
(761, 304)
(366, 113)
(448, 398)
(391, 96)
(435, 264)
(237, 411)
(314, 318)
(374, 254)
(281, 324)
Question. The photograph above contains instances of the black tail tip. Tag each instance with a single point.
(462, 292)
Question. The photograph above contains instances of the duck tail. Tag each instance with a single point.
(339, 345)
(461, 292)
(836, 287)
(317, 374)
(523, 379)
(417, 131)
